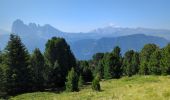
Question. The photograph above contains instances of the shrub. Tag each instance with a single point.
(72, 81)
(96, 83)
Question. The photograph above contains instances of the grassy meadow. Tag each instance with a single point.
(126, 88)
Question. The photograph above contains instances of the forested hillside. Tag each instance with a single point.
(57, 69)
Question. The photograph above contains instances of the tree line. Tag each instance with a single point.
(58, 69)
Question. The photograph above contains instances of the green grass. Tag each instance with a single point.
(133, 88)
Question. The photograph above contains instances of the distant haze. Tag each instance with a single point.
(85, 45)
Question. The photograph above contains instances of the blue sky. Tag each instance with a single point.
(85, 15)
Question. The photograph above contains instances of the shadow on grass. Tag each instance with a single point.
(50, 90)
(101, 90)
(57, 90)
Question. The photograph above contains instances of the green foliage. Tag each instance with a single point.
(55, 76)
(18, 77)
(72, 81)
(99, 69)
(165, 62)
(112, 64)
(108, 69)
(20, 72)
(38, 70)
(130, 63)
(96, 83)
(135, 63)
(154, 63)
(97, 64)
(2, 81)
(117, 62)
(3, 87)
(145, 55)
(85, 71)
(58, 51)
(81, 81)
(97, 57)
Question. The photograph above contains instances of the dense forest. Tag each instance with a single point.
(57, 69)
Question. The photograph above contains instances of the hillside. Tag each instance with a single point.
(133, 88)
(84, 49)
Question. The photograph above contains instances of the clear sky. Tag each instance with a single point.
(85, 15)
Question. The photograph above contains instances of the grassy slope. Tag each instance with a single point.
(134, 88)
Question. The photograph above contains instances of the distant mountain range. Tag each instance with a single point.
(84, 49)
(119, 31)
(84, 45)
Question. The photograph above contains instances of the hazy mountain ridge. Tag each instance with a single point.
(33, 29)
(84, 45)
(84, 49)
(120, 31)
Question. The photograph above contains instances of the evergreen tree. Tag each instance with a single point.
(97, 57)
(165, 62)
(135, 63)
(99, 69)
(58, 50)
(18, 79)
(38, 70)
(2, 81)
(154, 63)
(108, 68)
(55, 76)
(81, 81)
(72, 81)
(96, 83)
(130, 63)
(117, 62)
(97, 64)
(127, 63)
(85, 71)
(112, 64)
(145, 54)
(3, 87)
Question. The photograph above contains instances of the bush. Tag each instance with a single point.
(72, 81)
(96, 83)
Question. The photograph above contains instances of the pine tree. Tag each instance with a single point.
(2, 81)
(117, 62)
(112, 64)
(81, 81)
(58, 50)
(18, 79)
(3, 87)
(97, 64)
(85, 71)
(154, 63)
(130, 63)
(145, 54)
(38, 70)
(165, 62)
(55, 76)
(127, 63)
(72, 81)
(135, 63)
(99, 69)
(108, 68)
